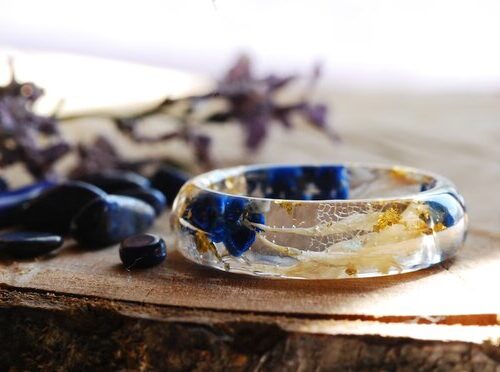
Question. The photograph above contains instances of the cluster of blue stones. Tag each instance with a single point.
(97, 210)
(300, 183)
(223, 218)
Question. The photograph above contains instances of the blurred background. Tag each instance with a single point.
(387, 44)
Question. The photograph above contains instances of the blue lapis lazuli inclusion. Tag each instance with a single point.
(444, 209)
(229, 219)
(225, 218)
(300, 183)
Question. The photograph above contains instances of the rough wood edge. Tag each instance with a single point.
(13, 296)
(34, 299)
(51, 331)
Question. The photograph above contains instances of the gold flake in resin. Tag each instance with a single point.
(439, 227)
(288, 206)
(422, 228)
(388, 218)
(235, 185)
(204, 244)
(401, 175)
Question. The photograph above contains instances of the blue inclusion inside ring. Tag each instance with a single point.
(444, 208)
(222, 218)
(427, 185)
(327, 182)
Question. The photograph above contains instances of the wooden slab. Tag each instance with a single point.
(457, 287)
(461, 286)
(456, 135)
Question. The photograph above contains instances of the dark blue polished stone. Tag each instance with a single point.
(11, 202)
(53, 210)
(153, 197)
(169, 181)
(109, 220)
(4, 186)
(113, 181)
(223, 218)
(25, 244)
(143, 250)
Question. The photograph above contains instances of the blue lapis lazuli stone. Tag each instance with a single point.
(25, 244)
(332, 182)
(53, 210)
(110, 219)
(238, 239)
(169, 181)
(427, 185)
(285, 183)
(207, 212)
(222, 218)
(233, 210)
(114, 181)
(11, 201)
(153, 197)
(300, 183)
(444, 209)
(4, 186)
(142, 250)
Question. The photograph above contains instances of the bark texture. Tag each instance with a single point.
(99, 339)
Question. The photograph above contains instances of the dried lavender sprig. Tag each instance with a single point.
(26, 137)
(251, 103)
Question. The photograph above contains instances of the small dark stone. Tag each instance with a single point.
(169, 181)
(109, 220)
(53, 210)
(11, 202)
(113, 181)
(143, 250)
(4, 186)
(26, 244)
(153, 197)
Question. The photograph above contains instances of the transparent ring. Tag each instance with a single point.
(319, 221)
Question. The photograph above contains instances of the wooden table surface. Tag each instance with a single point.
(457, 135)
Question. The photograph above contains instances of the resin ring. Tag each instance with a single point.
(319, 222)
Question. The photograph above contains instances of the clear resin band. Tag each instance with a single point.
(319, 221)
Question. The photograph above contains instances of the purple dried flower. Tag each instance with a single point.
(251, 102)
(316, 114)
(26, 137)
